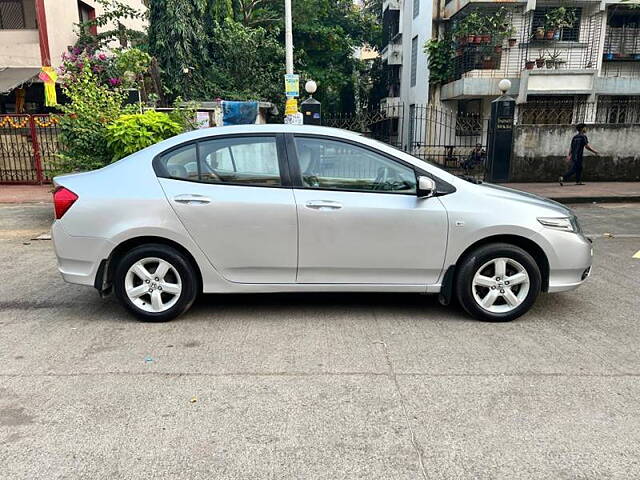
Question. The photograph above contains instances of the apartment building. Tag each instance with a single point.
(592, 57)
(35, 33)
(406, 28)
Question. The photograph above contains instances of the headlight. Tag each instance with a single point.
(567, 224)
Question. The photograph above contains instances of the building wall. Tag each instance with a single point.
(21, 48)
(63, 14)
(540, 151)
(411, 27)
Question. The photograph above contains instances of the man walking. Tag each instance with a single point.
(578, 143)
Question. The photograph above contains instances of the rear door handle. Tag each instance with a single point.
(323, 205)
(192, 199)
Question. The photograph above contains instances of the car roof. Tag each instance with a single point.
(267, 128)
(337, 133)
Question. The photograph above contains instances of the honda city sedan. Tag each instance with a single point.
(281, 208)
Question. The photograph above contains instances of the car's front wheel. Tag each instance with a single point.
(498, 282)
(155, 282)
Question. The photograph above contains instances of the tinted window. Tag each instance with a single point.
(414, 61)
(246, 160)
(336, 165)
(182, 163)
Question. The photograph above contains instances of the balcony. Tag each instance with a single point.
(453, 7)
(19, 41)
(392, 53)
(391, 5)
(19, 48)
(621, 57)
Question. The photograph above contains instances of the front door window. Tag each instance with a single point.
(334, 165)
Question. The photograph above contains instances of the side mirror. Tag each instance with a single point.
(426, 187)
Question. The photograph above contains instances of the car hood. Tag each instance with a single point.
(505, 193)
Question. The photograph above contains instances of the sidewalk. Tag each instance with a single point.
(25, 194)
(591, 192)
(570, 193)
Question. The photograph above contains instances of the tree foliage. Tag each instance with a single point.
(130, 133)
(178, 39)
(109, 27)
(234, 48)
(83, 129)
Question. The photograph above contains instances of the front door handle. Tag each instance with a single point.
(323, 205)
(192, 199)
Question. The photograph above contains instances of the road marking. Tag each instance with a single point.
(637, 255)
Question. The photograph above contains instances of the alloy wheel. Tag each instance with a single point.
(153, 285)
(500, 285)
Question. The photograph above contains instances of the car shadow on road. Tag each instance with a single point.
(405, 304)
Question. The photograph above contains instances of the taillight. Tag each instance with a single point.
(62, 201)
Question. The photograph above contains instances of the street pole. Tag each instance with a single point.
(288, 36)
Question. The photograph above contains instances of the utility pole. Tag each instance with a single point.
(288, 36)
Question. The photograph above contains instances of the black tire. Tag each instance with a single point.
(182, 265)
(469, 265)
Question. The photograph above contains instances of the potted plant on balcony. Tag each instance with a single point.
(557, 19)
(540, 59)
(539, 33)
(554, 60)
(529, 64)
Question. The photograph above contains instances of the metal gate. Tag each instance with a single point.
(28, 148)
(436, 134)
(448, 139)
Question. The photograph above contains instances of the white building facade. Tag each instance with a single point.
(407, 27)
(35, 33)
(583, 67)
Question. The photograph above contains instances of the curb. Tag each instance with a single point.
(621, 199)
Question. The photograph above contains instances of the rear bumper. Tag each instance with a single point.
(79, 257)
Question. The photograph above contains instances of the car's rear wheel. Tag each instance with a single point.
(498, 282)
(155, 282)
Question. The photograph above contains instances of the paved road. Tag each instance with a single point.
(318, 386)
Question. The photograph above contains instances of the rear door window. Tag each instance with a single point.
(181, 163)
(240, 161)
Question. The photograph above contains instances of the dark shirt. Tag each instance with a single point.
(578, 143)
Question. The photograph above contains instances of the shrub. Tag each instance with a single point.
(130, 133)
(440, 54)
(83, 133)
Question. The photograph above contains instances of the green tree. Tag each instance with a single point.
(109, 27)
(179, 42)
(247, 63)
(325, 33)
(220, 10)
(245, 58)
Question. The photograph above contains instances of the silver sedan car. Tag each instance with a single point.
(280, 208)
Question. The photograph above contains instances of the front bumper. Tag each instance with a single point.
(570, 258)
(78, 257)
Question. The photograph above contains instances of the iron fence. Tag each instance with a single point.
(384, 123)
(456, 141)
(441, 136)
(28, 148)
(612, 111)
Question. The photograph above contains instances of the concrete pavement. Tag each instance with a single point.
(570, 193)
(318, 386)
(591, 192)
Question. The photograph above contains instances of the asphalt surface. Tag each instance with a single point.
(318, 386)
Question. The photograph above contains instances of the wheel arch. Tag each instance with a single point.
(108, 266)
(528, 245)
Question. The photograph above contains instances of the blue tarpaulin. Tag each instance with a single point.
(239, 113)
